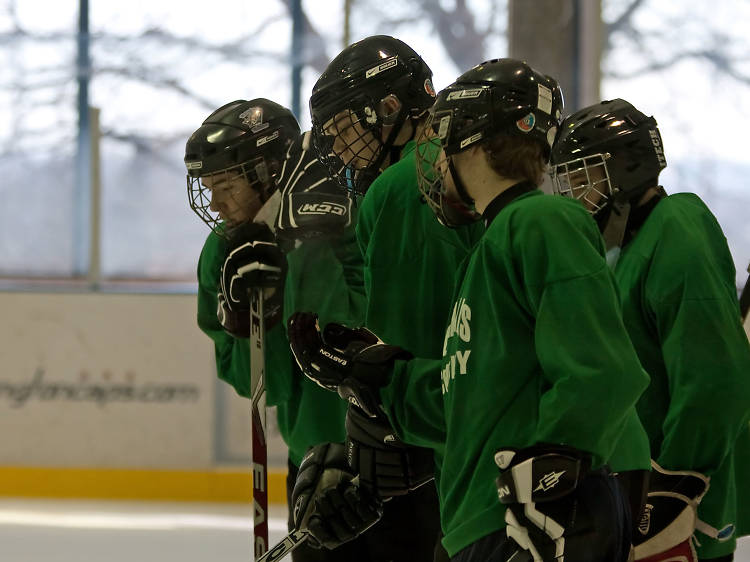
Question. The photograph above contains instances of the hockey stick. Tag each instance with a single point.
(258, 412)
(287, 545)
(266, 215)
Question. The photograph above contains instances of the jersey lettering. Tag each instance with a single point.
(459, 327)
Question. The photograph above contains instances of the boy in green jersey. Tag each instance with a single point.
(235, 161)
(367, 109)
(526, 416)
(677, 286)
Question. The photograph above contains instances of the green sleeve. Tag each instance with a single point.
(414, 402)
(347, 251)
(233, 354)
(367, 217)
(592, 371)
(706, 354)
(365, 222)
(325, 276)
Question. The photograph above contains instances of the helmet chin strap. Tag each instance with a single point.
(389, 150)
(623, 219)
(616, 223)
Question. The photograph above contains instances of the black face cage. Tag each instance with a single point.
(575, 179)
(259, 180)
(433, 165)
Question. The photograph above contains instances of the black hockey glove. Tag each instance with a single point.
(557, 509)
(385, 464)
(235, 323)
(327, 504)
(253, 260)
(670, 516)
(312, 205)
(353, 362)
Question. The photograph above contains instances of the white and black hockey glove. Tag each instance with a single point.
(559, 510)
(253, 260)
(235, 322)
(670, 517)
(353, 362)
(312, 205)
(327, 503)
(385, 464)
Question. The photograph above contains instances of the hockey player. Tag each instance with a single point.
(676, 281)
(234, 161)
(520, 407)
(367, 109)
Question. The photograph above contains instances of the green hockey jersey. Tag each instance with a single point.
(680, 307)
(535, 351)
(410, 260)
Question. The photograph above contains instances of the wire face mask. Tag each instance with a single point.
(434, 167)
(585, 179)
(348, 146)
(227, 198)
(351, 144)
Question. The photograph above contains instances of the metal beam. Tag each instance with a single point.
(562, 38)
(82, 197)
(297, 59)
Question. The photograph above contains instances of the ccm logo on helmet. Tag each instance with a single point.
(322, 209)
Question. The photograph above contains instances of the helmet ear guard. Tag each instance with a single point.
(389, 109)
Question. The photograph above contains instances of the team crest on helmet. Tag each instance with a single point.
(429, 88)
(527, 123)
(252, 117)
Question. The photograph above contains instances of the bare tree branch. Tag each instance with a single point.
(463, 41)
(719, 60)
(625, 19)
(313, 44)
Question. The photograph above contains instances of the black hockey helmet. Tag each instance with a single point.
(377, 81)
(242, 139)
(497, 97)
(613, 136)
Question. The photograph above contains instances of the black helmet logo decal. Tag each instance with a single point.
(375, 70)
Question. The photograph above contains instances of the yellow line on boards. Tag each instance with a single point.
(137, 484)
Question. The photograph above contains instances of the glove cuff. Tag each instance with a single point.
(539, 473)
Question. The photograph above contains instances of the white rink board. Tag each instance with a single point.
(105, 380)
